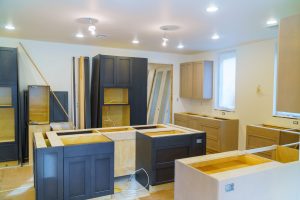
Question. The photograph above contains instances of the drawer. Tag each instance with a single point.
(164, 175)
(171, 154)
(256, 141)
(194, 124)
(267, 133)
(180, 123)
(288, 138)
(211, 132)
(212, 144)
(180, 117)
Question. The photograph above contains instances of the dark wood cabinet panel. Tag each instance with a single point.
(8, 66)
(56, 112)
(119, 72)
(123, 72)
(107, 71)
(157, 155)
(77, 178)
(138, 92)
(9, 105)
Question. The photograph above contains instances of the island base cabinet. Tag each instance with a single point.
(74, 172)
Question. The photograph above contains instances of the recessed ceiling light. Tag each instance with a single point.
(215, 36)
(272, 22)
(180, 46)
(10, 27)
(212, 9)
(135, 41)
(79, 35)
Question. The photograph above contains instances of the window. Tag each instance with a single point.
(226, 81)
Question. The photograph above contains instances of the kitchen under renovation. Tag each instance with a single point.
(149, 100)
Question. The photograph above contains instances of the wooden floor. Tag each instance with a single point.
(16, 183)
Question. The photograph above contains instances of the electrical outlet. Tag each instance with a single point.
(198, 141)
(295, 122)
(229, 187)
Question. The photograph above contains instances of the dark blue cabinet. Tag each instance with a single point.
(119, 72)
(9, 105)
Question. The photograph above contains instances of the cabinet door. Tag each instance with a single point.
(8, 66)
(197, 80)
(107, 71)
(123, 72)
(77, 178)
(102, 175)
(186, 75)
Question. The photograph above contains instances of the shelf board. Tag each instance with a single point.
(115, 104)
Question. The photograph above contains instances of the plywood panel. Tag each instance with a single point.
(124, 157)
(5, 96)
(81, 94)
(186, 76)
(197, 80)
(113, 116)
(115, 95)
(7, 125)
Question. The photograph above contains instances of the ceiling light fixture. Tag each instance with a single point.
(212, 8)
(92, 28)
(272, 22)
(79, 35)
(180, 46)
(135, 41)
(215, 36)
(10, 27)
(164, 40)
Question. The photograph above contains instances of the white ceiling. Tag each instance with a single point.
(237, 21)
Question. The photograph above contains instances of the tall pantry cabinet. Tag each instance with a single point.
(118, 91)
(9, 105)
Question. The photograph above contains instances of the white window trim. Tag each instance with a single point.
(217, 107)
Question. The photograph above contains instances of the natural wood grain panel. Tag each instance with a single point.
(7, 125)
(38, 104)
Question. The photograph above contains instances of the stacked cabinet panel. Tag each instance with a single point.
(119, 91)
(9, 114)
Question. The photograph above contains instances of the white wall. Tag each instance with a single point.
(255, 67)
(55, 62)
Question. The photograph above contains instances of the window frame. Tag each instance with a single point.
(217, 101)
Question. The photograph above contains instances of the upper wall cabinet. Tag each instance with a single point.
(196, 80)
(115, 71)
(288, 81)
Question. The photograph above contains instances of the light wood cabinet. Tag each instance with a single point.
(221, 133)
(288, 93)
(196, 80)
(267, 135)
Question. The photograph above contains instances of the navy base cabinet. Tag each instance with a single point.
(74, 172)
(157, 155)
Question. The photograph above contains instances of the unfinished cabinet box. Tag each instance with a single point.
(221, 133)
(9, 105)
(196, 80)
(237, 175)
(265, 135)
(38, 104)
(156, 151)
(116, 96)
(115, 115)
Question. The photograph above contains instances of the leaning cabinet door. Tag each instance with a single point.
(77, 178)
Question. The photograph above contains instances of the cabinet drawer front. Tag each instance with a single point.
(212, 144)
(268, 133)
(255, 141)
(180, 117)
(180, 123)
(164, 175)
(194, 124)
(211, 133)
(171, 154)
